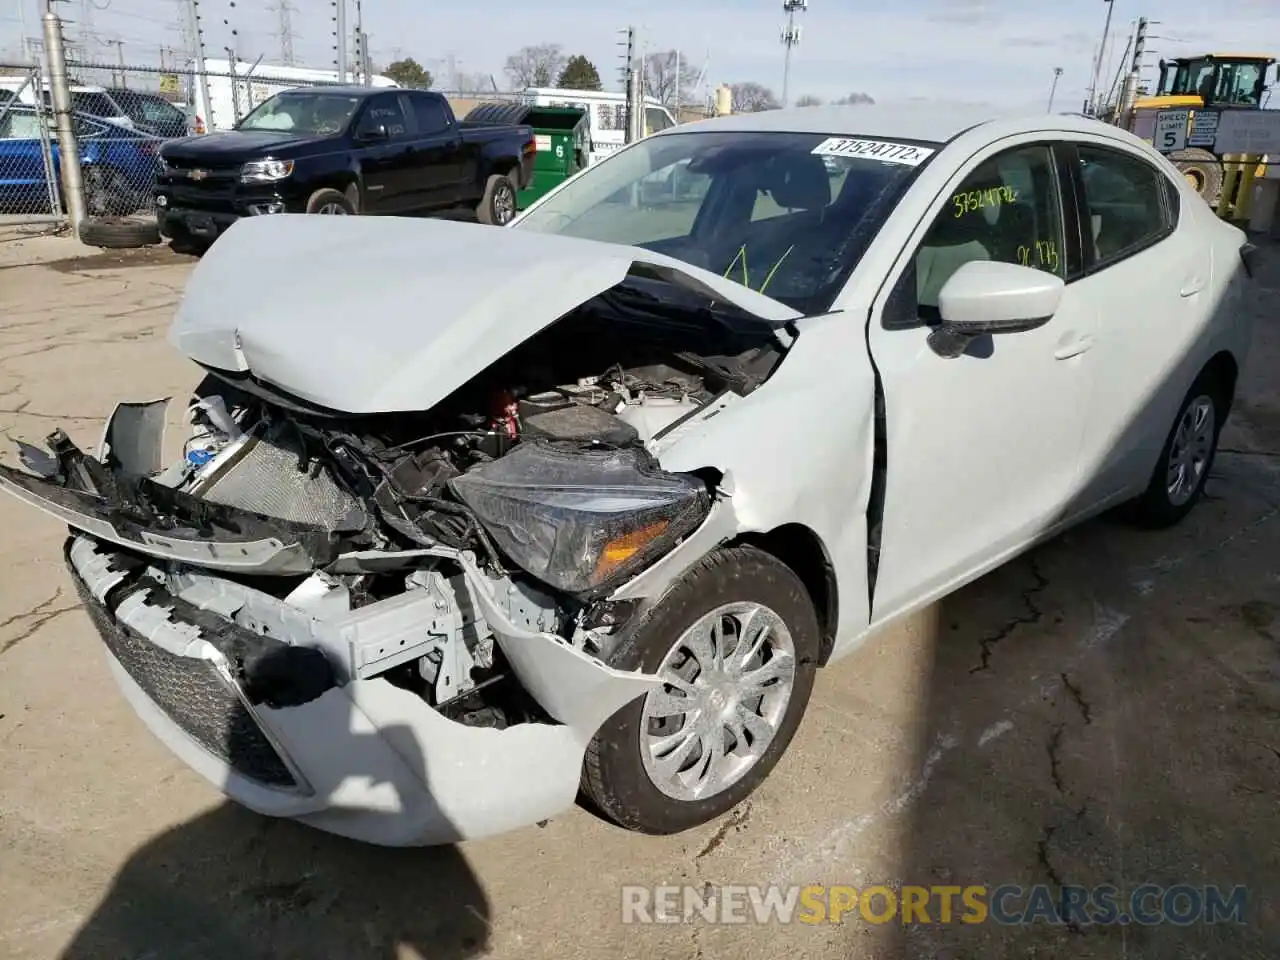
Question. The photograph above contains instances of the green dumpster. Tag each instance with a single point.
(562, 140)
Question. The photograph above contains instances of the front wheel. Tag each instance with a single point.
(331, 203)
(736, 643)
(1178, 481)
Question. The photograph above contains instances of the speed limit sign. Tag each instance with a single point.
(1171, 130)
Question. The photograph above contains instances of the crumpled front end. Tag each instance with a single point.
(398, 626)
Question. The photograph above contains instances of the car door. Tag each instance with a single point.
(445, 169)
(385, 147)
(1150, 281)
(981, 450)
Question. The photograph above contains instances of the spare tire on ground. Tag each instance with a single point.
(119, 233)
(1203, 170)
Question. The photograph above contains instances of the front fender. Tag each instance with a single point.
(797, 450)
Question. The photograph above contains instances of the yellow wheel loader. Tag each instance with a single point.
(1211, 81)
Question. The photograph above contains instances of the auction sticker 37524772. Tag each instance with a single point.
(882, 150)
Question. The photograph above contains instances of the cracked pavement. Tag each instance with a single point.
(1105, 710)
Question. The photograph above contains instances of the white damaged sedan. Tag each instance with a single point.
(470, 519)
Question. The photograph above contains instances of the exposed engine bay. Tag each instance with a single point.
(537, 475)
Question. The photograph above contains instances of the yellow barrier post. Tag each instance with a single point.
(1230, 173)
(1244, 196)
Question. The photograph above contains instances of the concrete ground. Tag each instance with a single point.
(1103, 711)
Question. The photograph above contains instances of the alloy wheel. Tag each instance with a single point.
(727, 683)
(1190, 451)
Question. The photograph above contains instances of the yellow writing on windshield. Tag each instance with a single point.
(968, 202)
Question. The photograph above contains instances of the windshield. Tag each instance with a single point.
(305, 113)
(785, 214)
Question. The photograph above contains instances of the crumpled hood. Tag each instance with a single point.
(379, 314)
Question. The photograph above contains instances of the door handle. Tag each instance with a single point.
(1073, 349)
(1192, 286)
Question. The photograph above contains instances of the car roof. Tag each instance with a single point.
(921, 120)
(348, 90)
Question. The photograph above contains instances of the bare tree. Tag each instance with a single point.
(808, 100)
(854, 99)
(536, 66)
(661, 82)
(752, 97)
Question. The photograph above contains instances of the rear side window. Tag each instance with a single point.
(384, 110)
(1126, 203)
(430, 115)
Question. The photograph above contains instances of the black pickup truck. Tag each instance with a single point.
(342, 150)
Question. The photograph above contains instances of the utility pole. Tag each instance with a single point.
(1053, 89)
(1097, 64)
(629, 80)
(119, 45)
(1129, 93)
(790, 37)
(360, 51)
(676, 103)
(202, 74)
(340, 37)
(60, 90)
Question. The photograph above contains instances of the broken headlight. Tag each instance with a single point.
(581, 520)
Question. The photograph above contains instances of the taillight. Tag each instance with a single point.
(199, 126)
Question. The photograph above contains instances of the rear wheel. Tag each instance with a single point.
(498, 205)
(735, 642)
(1178, 481)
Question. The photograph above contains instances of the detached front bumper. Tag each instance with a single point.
(363, 759)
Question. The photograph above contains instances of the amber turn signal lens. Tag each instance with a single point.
(621, 549)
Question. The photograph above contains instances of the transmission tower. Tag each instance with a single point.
(285, 10)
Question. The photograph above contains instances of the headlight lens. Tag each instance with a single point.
(265, 171)
(581, 520)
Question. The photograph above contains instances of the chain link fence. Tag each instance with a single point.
(29, 189)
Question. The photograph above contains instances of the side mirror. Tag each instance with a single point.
(989, 297)
(374, 133)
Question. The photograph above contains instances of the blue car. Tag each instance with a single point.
(118, 165)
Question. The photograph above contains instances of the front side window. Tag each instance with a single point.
(786, 214)
(655, 120)
(306, 113)
(1126, 202)
(1008, 210)
(384, 111)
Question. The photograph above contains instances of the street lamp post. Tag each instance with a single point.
(1053, 88)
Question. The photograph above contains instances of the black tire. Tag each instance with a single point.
(1203, 169)
(118, 233)
(1156, 509)
(497, 207)
(614, 778)
(325, 201)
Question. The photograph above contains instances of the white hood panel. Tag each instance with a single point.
(381, 314)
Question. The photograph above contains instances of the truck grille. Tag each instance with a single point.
(194, 695)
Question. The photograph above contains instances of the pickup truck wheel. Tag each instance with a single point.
(331, 203)
(736, 642)
(498, 205)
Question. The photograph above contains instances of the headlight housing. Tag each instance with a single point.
(581, 520)
(265, 171)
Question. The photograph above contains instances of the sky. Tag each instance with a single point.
(996, 51)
